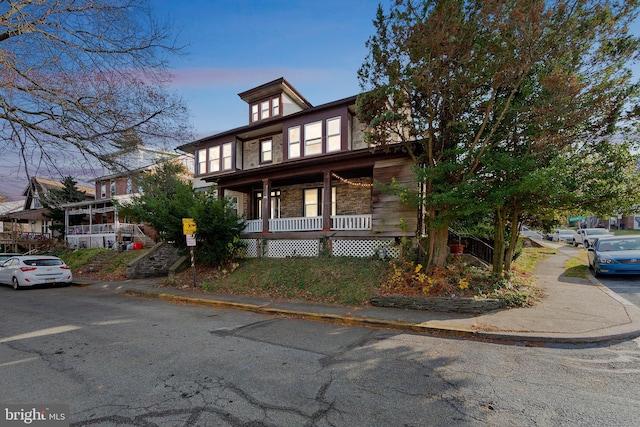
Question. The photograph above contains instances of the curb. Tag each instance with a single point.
(433, 330)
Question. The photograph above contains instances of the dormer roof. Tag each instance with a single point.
(273, 88)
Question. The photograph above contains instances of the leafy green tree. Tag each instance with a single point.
(483, 94)
(55, 198)
(167, 197)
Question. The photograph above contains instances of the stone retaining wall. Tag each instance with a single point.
(456, 305)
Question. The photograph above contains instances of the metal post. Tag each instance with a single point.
(193, 267)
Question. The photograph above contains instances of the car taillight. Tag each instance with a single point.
(23, 269)
(64, 267)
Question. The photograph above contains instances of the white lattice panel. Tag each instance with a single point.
(365, 248)
(251, 250)
(285, 248)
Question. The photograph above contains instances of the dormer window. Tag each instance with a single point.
(265, 109)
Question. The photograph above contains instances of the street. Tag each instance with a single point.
(119, 360)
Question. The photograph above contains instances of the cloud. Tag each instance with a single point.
(193, 78)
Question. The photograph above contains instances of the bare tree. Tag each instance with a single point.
(85, 78)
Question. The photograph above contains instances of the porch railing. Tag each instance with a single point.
(100, 229)
(338, 222)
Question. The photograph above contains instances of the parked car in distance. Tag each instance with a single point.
(562, 235)
(615, 255)
(32, 270)
(586, 236)
(6, 256)
(526, 231)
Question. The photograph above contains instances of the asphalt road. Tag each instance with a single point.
(129, 361)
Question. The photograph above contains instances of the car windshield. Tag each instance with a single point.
(619, 245)
(565, 232)
(43, 262)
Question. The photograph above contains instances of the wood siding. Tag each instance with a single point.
(390, 217)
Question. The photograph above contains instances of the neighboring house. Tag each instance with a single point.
(24, 228)
(96, 224)
(304, 178)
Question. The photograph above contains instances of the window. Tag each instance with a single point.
(103, 190)
(294, 142)
(129, 185)
(264, 110)
(313, 138)
(254, 113)
(312, 202)
(275, 107)
(202, 161)
(214, 159)
(313, 199)
(226, 156)
(112, 188)
(333, 135)
(266, 154)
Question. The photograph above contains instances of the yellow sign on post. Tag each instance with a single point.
(188, 226)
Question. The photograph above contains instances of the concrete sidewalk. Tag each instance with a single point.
(577, 311)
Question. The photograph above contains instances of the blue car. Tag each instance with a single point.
(615, 255)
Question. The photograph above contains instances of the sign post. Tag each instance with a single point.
(189, 230)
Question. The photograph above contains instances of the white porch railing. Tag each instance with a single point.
(100, 229)
(253, 226)
(338, 222)
(351, 222)
(296, 224)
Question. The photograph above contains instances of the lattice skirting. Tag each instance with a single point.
(365, 248)
(311, 247)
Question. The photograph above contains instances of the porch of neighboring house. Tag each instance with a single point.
(96, 225)
(333, 211)
(25, 231)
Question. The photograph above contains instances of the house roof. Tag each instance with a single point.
(272, 88)
(255, 129)
(48, 184)
(7, 208)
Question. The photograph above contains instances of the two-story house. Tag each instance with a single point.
(305, 179)
(25, 228)
(100, 225)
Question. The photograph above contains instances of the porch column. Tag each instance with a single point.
(266, 204)
(326, 201)
(90, 226)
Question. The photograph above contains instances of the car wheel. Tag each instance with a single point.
(575, 244)
(16, 285)
(586, 244)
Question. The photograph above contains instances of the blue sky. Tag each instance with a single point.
(236, 45)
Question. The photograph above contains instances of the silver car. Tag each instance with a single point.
(31, 270)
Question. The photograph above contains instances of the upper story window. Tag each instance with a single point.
(265, 109)
(334, 142)
(323, 136)
(129, 185)
(294, 142)
(312, 138)
(112, 188)
(103, 190)
(266, 151)
(215, 159)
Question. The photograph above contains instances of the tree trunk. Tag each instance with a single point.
(437, 248)
(513, 238)
(498, 242)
